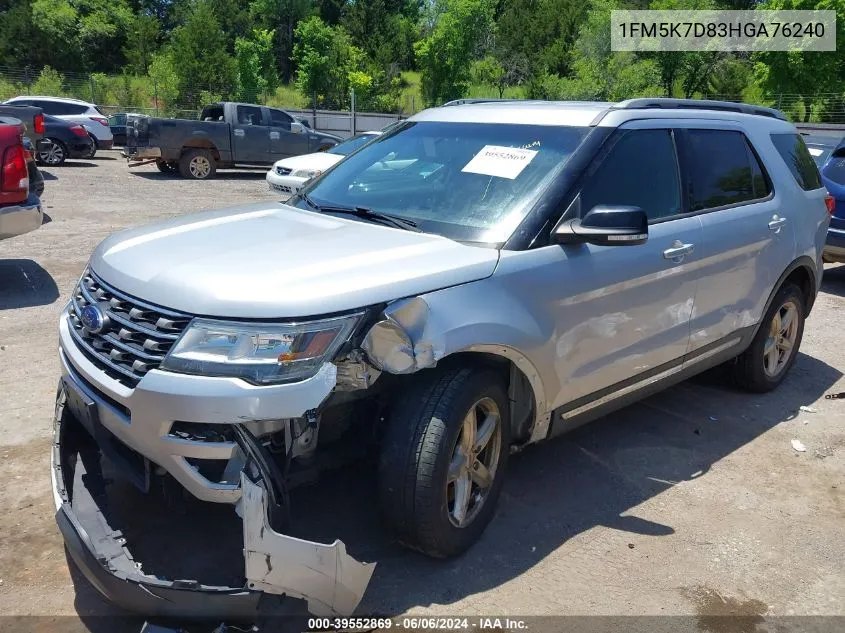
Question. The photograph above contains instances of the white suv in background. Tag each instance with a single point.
(82, 112)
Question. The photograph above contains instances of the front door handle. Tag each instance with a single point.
(678, 250)
(777, 223)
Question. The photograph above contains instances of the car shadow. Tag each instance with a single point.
(71, 162)
(101, 157)
(833, 280)
(593, 476)
(25, 284)
(257, 174)
(46, 174)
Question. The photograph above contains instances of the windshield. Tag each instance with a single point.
(350, 145)
(467, 181)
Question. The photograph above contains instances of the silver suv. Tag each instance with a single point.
(480, 278)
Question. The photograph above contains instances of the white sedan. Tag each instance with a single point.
(290, 174)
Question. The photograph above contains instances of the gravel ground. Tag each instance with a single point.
(692, 502)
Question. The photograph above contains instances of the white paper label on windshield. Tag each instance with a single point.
(814, 151)
(502, 162)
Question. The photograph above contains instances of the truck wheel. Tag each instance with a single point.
(443, 459)
(197, 164)
(166, 167)
(767, 360)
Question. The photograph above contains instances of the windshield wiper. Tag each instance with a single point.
(368, 214)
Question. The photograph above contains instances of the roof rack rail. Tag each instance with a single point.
(456, 102)
(645, 103)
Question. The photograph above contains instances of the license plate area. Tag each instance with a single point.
(128, 462)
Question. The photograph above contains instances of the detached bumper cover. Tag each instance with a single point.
(141, 153)
(276, 565)
(21, 218)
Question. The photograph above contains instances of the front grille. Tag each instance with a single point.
(283, 171)
(136, 335)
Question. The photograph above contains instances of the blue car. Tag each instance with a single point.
(829, 154)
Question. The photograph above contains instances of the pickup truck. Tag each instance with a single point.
(227, 135)
(32, 118)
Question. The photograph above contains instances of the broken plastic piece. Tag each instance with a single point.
(799, 446)
(806, 409)
(331, 581)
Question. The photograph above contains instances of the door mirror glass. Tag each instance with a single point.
(297, 128)
(605, 225)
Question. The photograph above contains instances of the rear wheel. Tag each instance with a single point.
(197, 164)
(93, 151)
(765, 363)
(443, 459)
(52, 152)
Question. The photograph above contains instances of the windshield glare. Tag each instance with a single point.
(350, 145)
(467, 181)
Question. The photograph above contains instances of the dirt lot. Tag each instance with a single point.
(691, 502)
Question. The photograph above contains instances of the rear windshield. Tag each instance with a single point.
(795, 154)
(471, 182)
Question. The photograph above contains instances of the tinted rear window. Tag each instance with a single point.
(723, 170)
(797, 157)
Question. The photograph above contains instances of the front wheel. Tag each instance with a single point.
(443, 459)
(197, 164)
(765, 363)
(53, 153)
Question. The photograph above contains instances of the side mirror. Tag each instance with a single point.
(605, 226)
(296, 127)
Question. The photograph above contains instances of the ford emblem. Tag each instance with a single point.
(93, 318)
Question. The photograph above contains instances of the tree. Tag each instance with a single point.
(281, 16)
(142, 41)
(460, 34)
(808, 74)
(200, 60)
(256, 68)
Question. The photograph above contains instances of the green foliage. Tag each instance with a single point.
(200, 58)
(256, 71)
(459, 34)
(142, 42)
(49, 82)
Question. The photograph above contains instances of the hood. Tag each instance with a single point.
(269, 260)
(319, 160)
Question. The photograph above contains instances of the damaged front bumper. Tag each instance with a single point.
(274, 565)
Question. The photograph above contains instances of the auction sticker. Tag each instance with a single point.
(502, 162)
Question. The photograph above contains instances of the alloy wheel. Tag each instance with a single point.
(475, 458)
(53, 155)
(199, 167)
(783, 332)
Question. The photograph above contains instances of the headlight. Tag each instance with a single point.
(259, 353)
(306, 173)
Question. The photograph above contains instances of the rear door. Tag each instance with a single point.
(623, 312)
(250, 136)
(283, 141)
(747, 235)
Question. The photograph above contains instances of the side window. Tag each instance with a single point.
(641, 170)
(280, 119)
(723, 170)
(797, 157)
(249, 115)
(49, 107)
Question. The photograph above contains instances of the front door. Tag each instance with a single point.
(623, 312)
(250, 136)
(284, 142)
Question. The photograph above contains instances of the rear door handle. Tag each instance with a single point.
(777, 223)
(678, 250)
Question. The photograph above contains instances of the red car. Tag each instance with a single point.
(20, 209)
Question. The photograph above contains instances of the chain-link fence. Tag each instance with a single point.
(148, 95)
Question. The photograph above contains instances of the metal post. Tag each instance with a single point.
(155, 95)
(353, 122)
(314, 111)
(91, 79)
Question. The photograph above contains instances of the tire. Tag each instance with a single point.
(55, 155)
(197, 164)
(166, 167)
(424, 435)
(93, 151)
(762, 367)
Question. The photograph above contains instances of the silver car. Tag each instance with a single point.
(482, 277)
